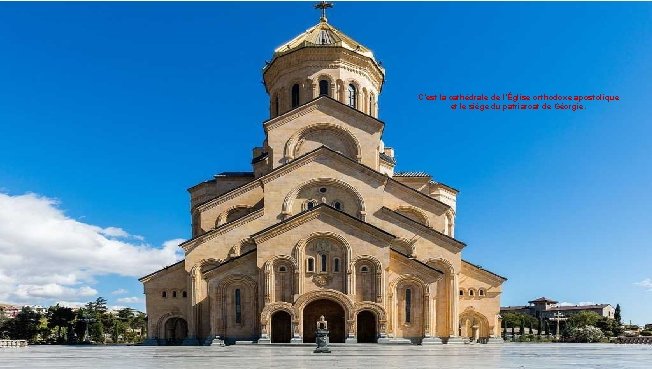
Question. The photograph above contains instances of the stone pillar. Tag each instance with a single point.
(431, 317)
(454, 311)
(351, 337)
(296, 337)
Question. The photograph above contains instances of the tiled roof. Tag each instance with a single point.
(235, 174)
(578, 307)
(387, 158)
(411, 174)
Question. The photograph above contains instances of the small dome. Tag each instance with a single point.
(324, 35)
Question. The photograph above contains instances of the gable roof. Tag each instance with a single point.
(480, 269)
(326, 209)
(458, 245)
(334, 154)
(325, 99)
(167, 268)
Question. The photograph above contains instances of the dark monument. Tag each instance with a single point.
(322, 337)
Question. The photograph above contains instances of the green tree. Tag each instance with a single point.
(617, 317)
(59, 317)
(583, 319)
(25, 326)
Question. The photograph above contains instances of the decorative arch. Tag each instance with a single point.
(222, 218)
(331, 84)
(446, 265)
(333, 295)
(395, 324)
(288, 202)
(375, 308)
(449, 223)
(471, 317)
(291, 144)
(269, 276)
(376, 288)
(299, 255)
(160, 323)
(220, 307)
(271, 308)
(414, 213)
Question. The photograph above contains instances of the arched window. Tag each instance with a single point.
(277, 112)
(353, 96)
(238, 306)
(336, 265)
(323, 87)
(408, 305)
(310, 264)
(470, 292)
(324, 259)
(481, 292)
(337, 205)
(174, 294)
(184, 294)
(295, 95)
(461, 292)
(311, 204)
(364, 269)
(282, 269)
(372, 103)
(164, 294)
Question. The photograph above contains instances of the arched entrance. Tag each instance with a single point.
(176, 329)
(281, 327)
(366, 327)
(334, 315)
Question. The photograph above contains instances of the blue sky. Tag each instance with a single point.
(114, 109)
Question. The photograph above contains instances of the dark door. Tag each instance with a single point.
(281, 327)
(366, 327)
(333, 314)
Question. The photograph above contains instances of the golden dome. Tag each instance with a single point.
(324, 35)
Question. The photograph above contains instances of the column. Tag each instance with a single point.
(454, 311)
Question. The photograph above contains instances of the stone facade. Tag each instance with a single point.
(322, 225)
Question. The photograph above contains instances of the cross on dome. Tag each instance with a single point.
(323, 5)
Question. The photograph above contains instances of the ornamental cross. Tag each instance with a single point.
(323, 5)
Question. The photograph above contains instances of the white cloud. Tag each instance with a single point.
(646, 283)
(581, 303)
(119, 291)
(71, 304)
(47, 256)
(114, 232)
(128, 300)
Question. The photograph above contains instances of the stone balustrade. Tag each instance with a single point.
(644, 340)
(13, 343)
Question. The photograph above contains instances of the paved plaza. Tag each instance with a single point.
(576, 356)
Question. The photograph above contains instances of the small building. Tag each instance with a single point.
(545, 308)
(9, 310)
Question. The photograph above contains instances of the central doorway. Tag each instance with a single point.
(281, 327)
(366, 327)
(176, 329)
(334, 315)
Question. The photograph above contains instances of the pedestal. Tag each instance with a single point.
(217, 341)
(455, 340)
(495, 340)
(432, 341)
(322, 342)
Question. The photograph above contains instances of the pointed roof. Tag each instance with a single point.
(323, 34)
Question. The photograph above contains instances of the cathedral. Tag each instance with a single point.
(323, 224)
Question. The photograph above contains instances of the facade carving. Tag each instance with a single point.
(323, 226)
